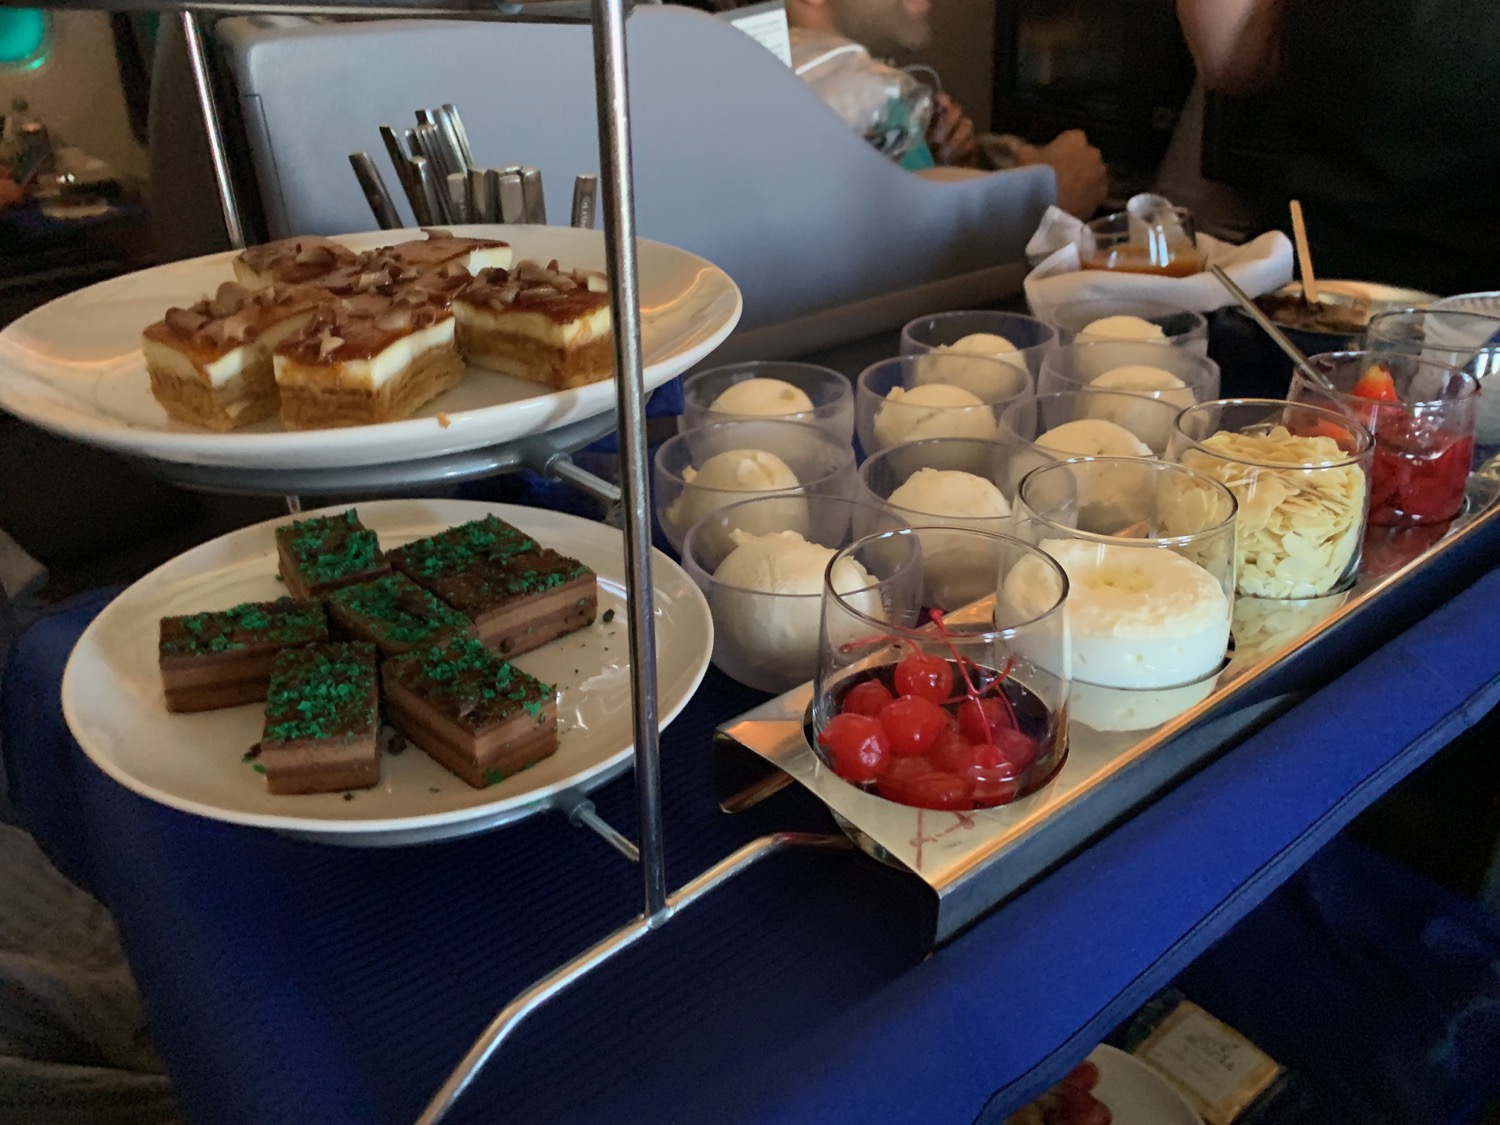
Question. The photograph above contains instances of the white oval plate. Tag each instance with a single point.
(74, 365)
(112, 694)
(1136, 1094)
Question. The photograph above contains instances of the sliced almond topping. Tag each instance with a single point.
(315, 255)
(397, 318)
(597, 283)
(239, 327)
(328, 344)
(184, 322)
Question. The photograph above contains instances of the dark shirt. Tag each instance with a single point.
(1388, 117)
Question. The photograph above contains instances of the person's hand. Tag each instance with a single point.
(1082, 179)
(950, 133)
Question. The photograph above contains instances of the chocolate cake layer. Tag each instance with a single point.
(394, 614)
(224, 658)
(519, 594)
(472, 712)
(322, 720)
(321, 555)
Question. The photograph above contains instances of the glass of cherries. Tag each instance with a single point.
(942, 706)
(1422, 412)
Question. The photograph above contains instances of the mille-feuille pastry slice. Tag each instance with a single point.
(291, 261)
(210, 364)
(441, 248)
(366, 359)
(539, 323)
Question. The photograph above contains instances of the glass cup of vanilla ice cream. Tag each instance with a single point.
(1301, 476)
(702, 470)
(1013, 337)
(939, 394)
(765, 588)
(949, 482)
(933, 704)
(1125, 320)
(1173, 375)
(1091, 423)
(791, 392)
(1148, 547)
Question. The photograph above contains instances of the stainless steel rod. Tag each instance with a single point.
(613, 94)
(585, 815)
(218, 154)
(622, 939)
(563, 467)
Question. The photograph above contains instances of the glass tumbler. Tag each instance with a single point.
(1459, 335)
(1014, 337)
(1424, 435)
(939, 394)
(939, 706)
(1120, 319)
(753, 392)
(1300, 474)
(1067, 423)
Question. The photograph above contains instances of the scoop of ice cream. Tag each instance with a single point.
(732, 475)
(762, 398)
(951, 493)
(1153, 425)
(1093, 437)
(989, 381)
(781, 631)
(932, 410)
(1144, 377)
(1139, 617)
(1131, 328)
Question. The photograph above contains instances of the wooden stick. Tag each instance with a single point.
(1304, 255)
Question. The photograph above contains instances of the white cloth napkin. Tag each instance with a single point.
(1259, 266)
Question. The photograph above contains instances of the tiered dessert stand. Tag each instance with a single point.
(547, 452)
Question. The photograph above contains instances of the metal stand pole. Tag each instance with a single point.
(192, 34)
(613, 99)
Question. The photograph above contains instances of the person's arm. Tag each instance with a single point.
(1234, 42)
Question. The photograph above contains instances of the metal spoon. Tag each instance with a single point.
(1268, 326)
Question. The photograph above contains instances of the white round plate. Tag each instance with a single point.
(74, 365)
(1136, 1094)
(112, 694)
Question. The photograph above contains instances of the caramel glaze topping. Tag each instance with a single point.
(360, 327)
(233, 316)
(441, 247)
(561, 296)
(296, 261)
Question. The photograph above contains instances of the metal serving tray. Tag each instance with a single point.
(1282, 651)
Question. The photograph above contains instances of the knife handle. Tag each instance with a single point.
(585, 194)
(381, 205)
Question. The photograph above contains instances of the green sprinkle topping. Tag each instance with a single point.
(282, 622)
(396, 611)
(489, 540)
(258, 768)
(493, 776)
(332, 548)
(469, 683)
(321, 692)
